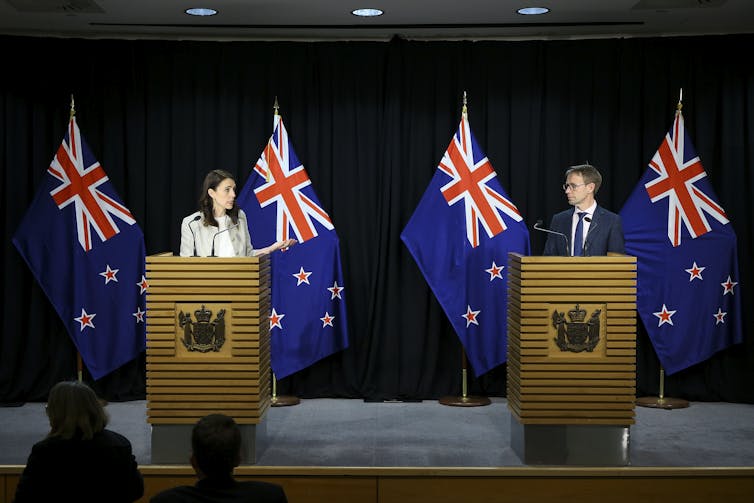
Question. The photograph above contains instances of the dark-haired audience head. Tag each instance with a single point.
(74, 411)
(211, 182)
(216, 446)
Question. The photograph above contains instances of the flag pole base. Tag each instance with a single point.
(284, 401)
(657, 402)
(465, 401)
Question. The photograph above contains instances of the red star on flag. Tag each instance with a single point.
(335, 290)
(664, 315)
(302, 276)
(85, 319)
(495, 271)
(695, 272)
(470, 316)
(143, 285)
(275, 319)
(719, 316)
(139, 315)
(327, 320)
(728, 286)
(109, 274)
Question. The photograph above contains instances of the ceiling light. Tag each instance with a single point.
(200, 11)
(367, 12)
(533, 11)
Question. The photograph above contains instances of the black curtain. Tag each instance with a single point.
(370, 121)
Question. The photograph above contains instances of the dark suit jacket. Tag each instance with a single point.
(96, 470)
(223, 491)
(605, 234)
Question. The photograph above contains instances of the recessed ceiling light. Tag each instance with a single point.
(367, 12)
(200, 11)
(533, 11)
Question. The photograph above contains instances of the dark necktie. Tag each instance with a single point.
(578, 237)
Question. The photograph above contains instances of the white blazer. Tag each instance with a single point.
(203, 236)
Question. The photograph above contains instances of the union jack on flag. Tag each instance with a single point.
(687, 279)
(96, 287)
(467, 270)
(308, 314)
(285, 179)
(678, 172)
(469, 182)
(80, 176)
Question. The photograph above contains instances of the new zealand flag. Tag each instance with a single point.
(460, 235)
(308, 319)
(688, 296)
(87, 253)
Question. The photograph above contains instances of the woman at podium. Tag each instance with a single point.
(219, 228)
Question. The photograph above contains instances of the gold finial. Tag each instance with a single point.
(680, 101)
(465, 110)
(276, 107)
(73, 109)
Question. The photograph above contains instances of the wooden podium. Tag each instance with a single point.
(208, 349)
(571, 358)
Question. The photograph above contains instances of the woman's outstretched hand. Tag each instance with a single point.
(278, 245)
(287, 243)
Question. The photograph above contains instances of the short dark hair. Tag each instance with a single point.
(74, 411)
(589, 173)
(216, 443)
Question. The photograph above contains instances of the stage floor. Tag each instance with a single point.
(354, 433)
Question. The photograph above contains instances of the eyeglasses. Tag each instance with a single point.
(572, 186)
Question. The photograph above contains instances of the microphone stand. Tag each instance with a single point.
(193, 236)
(538, 226)
(212, 253)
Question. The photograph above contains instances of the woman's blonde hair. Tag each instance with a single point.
(74, 411)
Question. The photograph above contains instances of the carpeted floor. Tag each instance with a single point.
(334, 432)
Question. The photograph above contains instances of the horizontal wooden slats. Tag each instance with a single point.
(184, 386)
(549, 386)
(219, 374)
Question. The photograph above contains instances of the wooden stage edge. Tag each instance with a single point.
(448, 484)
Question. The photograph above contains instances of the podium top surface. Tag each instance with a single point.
(613, 258)
(169, 258)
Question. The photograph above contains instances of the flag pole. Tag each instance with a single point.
(465, 400)
(660, 402)
(79, 361)
(283, 400)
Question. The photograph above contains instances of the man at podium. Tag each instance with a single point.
(587, 229)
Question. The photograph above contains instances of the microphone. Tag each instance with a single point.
(220, 232)
(193, 236)
(591, 227)
(538, 226)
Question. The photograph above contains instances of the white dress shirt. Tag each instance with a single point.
(589, 213)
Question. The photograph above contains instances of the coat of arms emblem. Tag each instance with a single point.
(577, 335)
(204, 334)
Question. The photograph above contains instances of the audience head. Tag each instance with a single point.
(74, 411)
(211, 182)
(216, 445)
